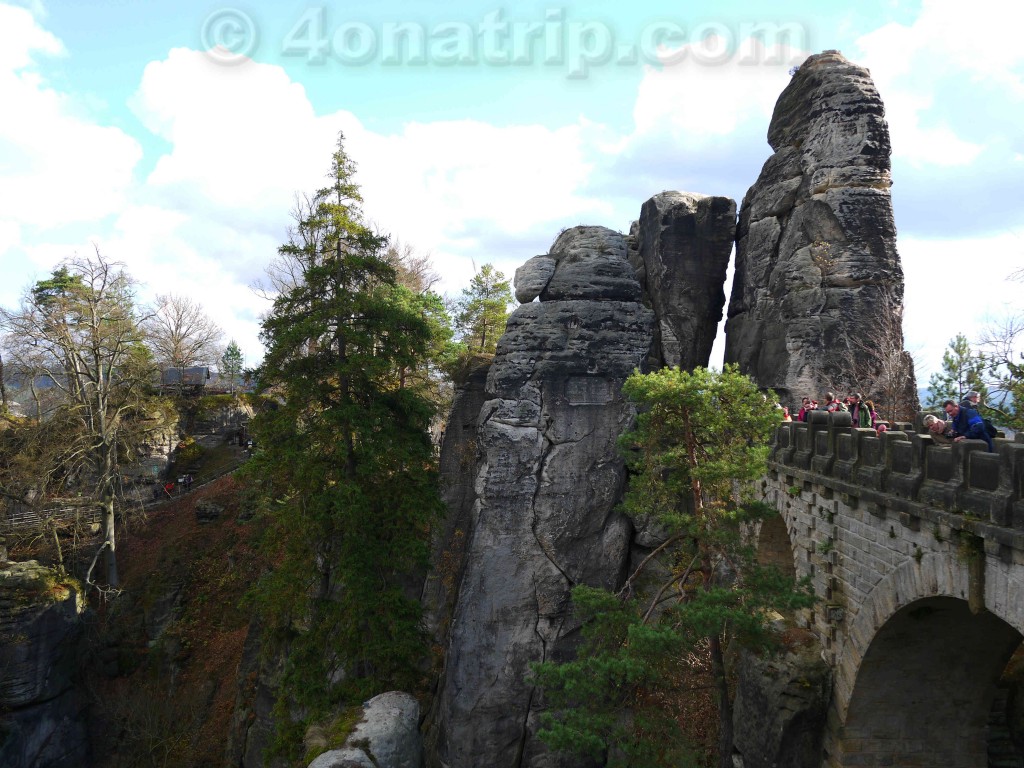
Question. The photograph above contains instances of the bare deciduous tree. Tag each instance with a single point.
(86, 339)
(415, 271)
(181, 334)
(875, 363)
(1002, 352)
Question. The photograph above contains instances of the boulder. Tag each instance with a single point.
(683, 244)
(818, 288)
(207, 511)
(387, 736)
(533, 277)
(548, 481)
(343, 758)
(590, 263)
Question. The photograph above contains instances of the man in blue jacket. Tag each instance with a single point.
(967, 424)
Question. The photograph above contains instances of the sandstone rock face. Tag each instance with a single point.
(780, 709)
(533, 277)
(683, 243)
(388, 736)
(252, 726)
(43, 718)
(548, 481)
(816, 262)
(458, 467)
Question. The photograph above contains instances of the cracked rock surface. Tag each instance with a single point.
(816, 260)
(548, 478)
(682, 246)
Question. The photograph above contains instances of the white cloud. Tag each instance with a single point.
(955, 286)
(242, 140)
(21, 38)
(705, 102)
(245, 139)
(58, 165)
(917, 66)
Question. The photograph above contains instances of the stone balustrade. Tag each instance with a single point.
(901, 468)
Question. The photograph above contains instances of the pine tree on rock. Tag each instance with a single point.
(701, 439)
(483, 310)
(345, 462)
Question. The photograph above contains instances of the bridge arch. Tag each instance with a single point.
(916, 679)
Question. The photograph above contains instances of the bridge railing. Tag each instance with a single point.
(962, 477)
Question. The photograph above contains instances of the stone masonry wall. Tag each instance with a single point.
(880, 524)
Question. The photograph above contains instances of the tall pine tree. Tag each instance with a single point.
(231, 364)
(963, 370)
(483, 310)
(345, 462)
(701, 438)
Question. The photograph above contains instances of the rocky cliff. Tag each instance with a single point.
(42, 724)
(681, 253)
(547, 480)
(817, 273)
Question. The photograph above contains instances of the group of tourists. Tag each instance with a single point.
(862, 411)
(963, 420)
(167, 490)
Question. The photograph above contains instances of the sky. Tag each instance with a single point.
(174, 137)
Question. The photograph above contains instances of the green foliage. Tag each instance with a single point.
(482, 310)
(231, 364)
(963, 370)
(700, 438)
(188, 451)
(345, 466)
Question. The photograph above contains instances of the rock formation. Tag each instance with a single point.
(457, 468)
(548, 479)
(681, 254)
(781, 705)
(387, 736)
(43, 720)
(818, 290)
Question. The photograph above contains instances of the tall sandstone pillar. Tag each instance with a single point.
(548, 479)
(817, 299)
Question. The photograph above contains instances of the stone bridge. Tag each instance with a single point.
(916, 552)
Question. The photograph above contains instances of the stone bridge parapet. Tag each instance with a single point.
(916, 552)
(908, 473)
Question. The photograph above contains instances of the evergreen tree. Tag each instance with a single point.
(231, 364)
(345, 462)
(700, 438)
(963, 370)
(482, 310)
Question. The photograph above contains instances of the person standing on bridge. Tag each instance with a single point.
(858, 412)
(967, 424)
